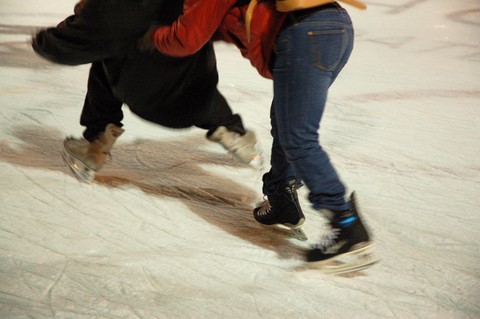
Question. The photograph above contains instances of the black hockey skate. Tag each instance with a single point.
(347, 247)
(283, 212)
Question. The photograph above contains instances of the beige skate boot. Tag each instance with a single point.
(85, 158)
(244, 148)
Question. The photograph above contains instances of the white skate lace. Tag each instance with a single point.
(265, 208)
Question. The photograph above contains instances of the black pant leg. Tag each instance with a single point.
(101, 106)
(218, 114)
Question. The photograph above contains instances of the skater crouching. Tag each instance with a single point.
(172, 92)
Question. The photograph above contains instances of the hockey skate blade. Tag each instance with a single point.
(83, 173)
(352, 261)
(294, 232)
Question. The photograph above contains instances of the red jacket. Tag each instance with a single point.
(203, 20)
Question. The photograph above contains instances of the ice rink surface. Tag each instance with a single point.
(166, 230)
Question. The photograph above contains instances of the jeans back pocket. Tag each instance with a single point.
(328, 47)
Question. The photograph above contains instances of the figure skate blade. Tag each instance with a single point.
(79, 170)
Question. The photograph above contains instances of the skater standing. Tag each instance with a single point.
(303, 51)
(172, 92)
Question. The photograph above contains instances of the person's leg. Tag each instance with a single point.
(210, 109)
(227, 129)
(216, 116)
(310, 55)
(281, 170)
(101, 115)
(281, 209)
(219, 114)
(320, 45)
(101, 107)
(300, 91)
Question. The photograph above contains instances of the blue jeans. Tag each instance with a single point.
(309, 54)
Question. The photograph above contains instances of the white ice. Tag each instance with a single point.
(166, 229)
